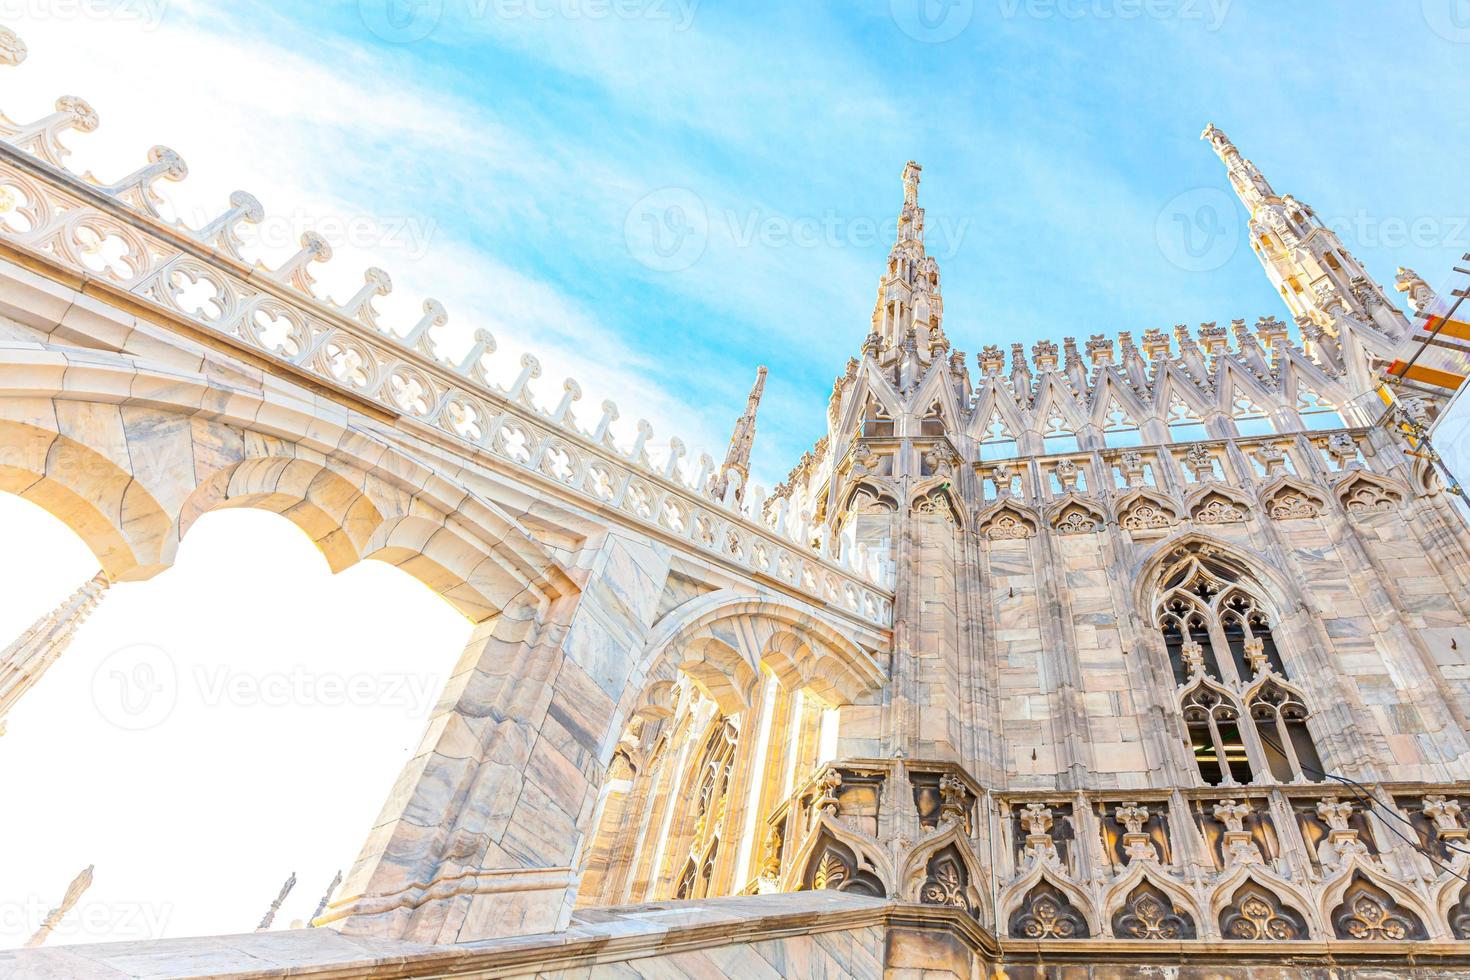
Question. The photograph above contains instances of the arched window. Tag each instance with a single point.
(1214, 734)
(1059, 436)
(1185, 424)
(708, 800)
(1281, 724)
(1119, 429)
(1217, 634)
(1317, 412)
(998, 442)
(1250, 418)
(932, 424)
(877, 423)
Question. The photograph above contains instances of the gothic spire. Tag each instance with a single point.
(1251, 186)
(737, 457)
(34, 651)
(908, 293)
(1305, 260)
(74, 891)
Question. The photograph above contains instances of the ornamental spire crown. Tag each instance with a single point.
(1251, 186)
(742, 440)
(908, 294)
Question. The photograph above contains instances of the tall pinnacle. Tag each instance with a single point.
(1250, 184)
(1305, 259)
(737, 457)
(34, 651)
(908, 294)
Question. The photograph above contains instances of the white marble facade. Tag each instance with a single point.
(1031, 656)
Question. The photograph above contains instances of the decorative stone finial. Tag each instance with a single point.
(12, 49)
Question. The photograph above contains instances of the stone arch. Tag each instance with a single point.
(834, 857)
(1287, 498)
(329, 508)
(1013, 899)
(1218, 504)
(798, 666)
(1363, 904)
(1275, 680)
(1452, 900)
(1073, 514)
(1006, 520)
(1251, 904)
(1362, 493)
(1145, 510)
(935, 498)
(1151, 907)
(1426, 480)
(927, 877)
(656, 702)
(720, 672)
(746, 624)
(100, 499)
(1152, 563)
(470, 576)
(1048, 910)
(866, 494)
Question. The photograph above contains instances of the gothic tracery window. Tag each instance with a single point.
(1244, 720)
(998, 441)
(708, 802)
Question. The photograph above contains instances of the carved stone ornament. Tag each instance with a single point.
(1037, 819)
(1370, 914)
(1366, 497)
(1076, 521)
(1008, 527)
(1272, 459)
(1149, 913)
(1446, 816)
(834, 867)
(1066, 472)
(1256, 914)
(1344, 448)
(1137, 844)
(952, 807)
(827, 786)
(1291, 505)
(1237, 847)
(1145, 515)
(1201, 462)
(1047, 914)
(771, 862)
(1130, 464)
(1219, 510)
(946, 882)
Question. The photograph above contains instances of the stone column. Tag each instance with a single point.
(34, 651)
(482, 835)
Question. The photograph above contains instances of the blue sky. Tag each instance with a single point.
(1054, 135)
(505, 161)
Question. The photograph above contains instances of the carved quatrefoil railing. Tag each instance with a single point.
(114, 233)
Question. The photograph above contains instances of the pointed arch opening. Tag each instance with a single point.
(1244, 718)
